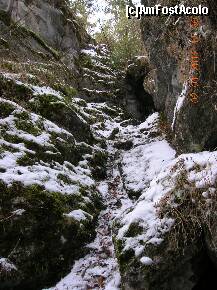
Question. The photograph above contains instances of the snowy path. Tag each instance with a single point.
(149, 154)
(149, 169)
(139, 165)
(99, 269)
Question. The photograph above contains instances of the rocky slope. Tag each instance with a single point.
(90, 197)
(51, 153)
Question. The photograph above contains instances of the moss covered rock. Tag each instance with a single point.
(45, 175)
(167, 242)
(37, 236)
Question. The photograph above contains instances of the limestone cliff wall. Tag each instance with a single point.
(54, 24)
(168, 43)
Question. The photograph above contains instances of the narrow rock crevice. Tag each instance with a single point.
(139, 102)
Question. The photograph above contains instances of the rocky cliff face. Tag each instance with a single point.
(169, 46)
(166, 239)
(52, 22)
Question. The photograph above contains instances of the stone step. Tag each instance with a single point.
(97, 95)
(99, 75)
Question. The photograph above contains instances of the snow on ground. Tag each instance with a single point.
(43, 174)
(37, 90)
(78, 215)
(146, 169)
(145, 161)
(91, 52)
(142, 168)
(39, 173)
(199, 169)
(144, 214)
(97, 74)
(148, 156)
(6, 265)
(150, 167)
(99, 269)
(45, 91)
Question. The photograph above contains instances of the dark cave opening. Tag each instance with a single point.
(206, 273)
(139, 102)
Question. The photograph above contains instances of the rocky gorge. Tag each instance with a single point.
(108, 177)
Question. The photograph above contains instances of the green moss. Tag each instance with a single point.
(82, 103)
(98, 164)
(125, 258)
(68, 151)
(12, 138)
(64, 178)
(15, 92)
(40, 149)
(26, 160)
(100, 158)
(63, 115)
(84, 148)
(85, 61)
(40, 255)
(68, 91)
(8, 65)
(42, 104)
(22, 115)
(21, 90)
(110, 111)
(6, 109)
(9, 148)
(95, 117)
(196, 147)
(27, 126)
(114, 132)
(134, 230)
